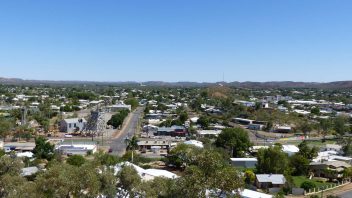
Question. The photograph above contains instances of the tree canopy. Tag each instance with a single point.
(236, 140)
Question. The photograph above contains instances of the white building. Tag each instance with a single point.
(76, 148)
(146, 174)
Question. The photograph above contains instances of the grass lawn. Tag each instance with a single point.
(298, 180)
(317, 143)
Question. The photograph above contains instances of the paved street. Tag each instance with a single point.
(118, 142)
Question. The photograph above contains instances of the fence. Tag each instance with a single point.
(327, 187)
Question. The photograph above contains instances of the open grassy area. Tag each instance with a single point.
(298, 180)
(317, 143)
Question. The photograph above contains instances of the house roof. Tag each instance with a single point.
(243, 159)
(271, 178)
(335, 164)
(29, 171)
(194, 143)
(254, 194)
(290, 148)
(74, 120)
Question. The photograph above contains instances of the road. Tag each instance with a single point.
(118, 144)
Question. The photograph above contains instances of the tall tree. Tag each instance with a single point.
(306, 151)
(43, 149)
(272, 160)
(235, 140)
(128, 181)
(340, 125)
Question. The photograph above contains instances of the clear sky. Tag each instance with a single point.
(176, 40)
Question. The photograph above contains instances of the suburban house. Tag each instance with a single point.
(290, 149)
(242, 121)
(283, 129)
(194, 143)
(332, 147)
(146, 174)
(19, 146)
(76, 148)
(171, 131)
(329, 169)
(265, 181)
(208, 133)
(153, 145)
(244, 162)
(72, 125)
(256, 127)
(118, 107)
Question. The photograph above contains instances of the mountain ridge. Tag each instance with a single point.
(246, 84)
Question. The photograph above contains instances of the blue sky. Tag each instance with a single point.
(180, 40)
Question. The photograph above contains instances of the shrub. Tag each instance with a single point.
(308, 185)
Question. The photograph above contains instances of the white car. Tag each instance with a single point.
(68, 136)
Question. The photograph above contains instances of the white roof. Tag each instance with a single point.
(144, 173)
(244, 159)
(254, 194)
(290, 148)
(272, 178)
(25, 154)
(209, 132)
(29, 171)
(194, 143)
(74, 120)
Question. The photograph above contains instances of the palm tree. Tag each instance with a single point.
(132, 144)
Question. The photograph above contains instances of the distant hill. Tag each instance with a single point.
(272, 84)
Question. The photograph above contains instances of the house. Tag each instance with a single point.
(329, 169)
(290, 149)
(29, 171)
(153, 145)
(244, 162)
(72, 125)
(265, 181)
(19, 146)
(332, 147)
(208, 133)
(146, 174)
(118, 107)
(194, 143)
(256, 127)
(173, 131)
(253, 194)
(76, 148)
(243, 121)
(283, 129)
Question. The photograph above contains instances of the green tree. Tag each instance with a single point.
(315, 111)
(347, 146)
(133, 102)
(203, 121)
(299, 164)
(181, 155)
(132, 144)
(43, 149)
(102, 158)
(76, 160)
(10, 178)
(305, 127)
(209, 171)
(272, 160)
(306, 185)
(235, 140)
(5, 127)
(340, 125)
(306, 151)
(183, 117)
(128, 181)
(325, 125)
